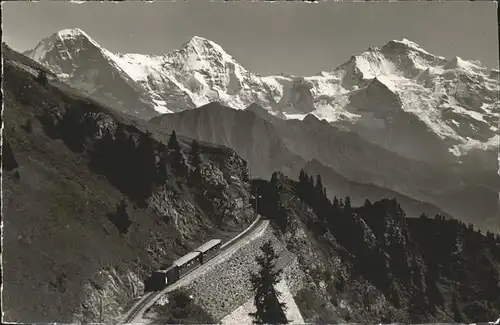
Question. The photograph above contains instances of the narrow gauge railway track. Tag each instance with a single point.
(138, 307)
(149, 298)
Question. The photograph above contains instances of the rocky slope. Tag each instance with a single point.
(399, 96)
(80, 232)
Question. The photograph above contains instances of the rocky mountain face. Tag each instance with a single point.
(399, 96)
(269, 143)
(81, 232)
(369, 263)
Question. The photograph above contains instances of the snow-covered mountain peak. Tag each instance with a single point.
(201, 42)
(400, 58)
(411, 50)
(203, 49)
(64, 43)
(406, 43)
(72, 33)
(75, 36)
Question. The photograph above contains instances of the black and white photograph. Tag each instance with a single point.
(250, 162)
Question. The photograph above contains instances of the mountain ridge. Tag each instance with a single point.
(455, 100)
(272, 144)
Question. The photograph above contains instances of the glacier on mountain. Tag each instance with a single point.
(454, 98)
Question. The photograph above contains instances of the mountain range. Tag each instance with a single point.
(420, 97)
(394, 116)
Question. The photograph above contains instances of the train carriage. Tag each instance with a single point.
(187, 263)
(158, 279)
(208, 250)
(164, 277)
(167, 276)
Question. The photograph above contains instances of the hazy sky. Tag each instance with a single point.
(267, 38)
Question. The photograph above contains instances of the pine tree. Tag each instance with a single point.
(195, 161)
(146, 172)
(341, 205)
(302, 177)
(274, 179)
(269, 309)
(195, 153)
(347, 203)
(9, 160)
(28, 126)
(178, 159)
(490, 236)
(319, 184)
(336, 204)
(173, 143)
(457, 314)
(418, 306)
(179, 163)
(424, 216)
(311, 181)
(42, 78)
(72, 128)
(470, 227)
(161, 166)
(302, 185)
(124, 158)
(121, 219)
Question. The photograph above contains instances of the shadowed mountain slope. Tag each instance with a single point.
(269, 143)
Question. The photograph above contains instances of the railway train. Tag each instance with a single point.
(164, 277)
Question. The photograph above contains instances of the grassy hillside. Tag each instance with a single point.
(87, 217)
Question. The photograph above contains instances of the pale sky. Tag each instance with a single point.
(267, 38)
